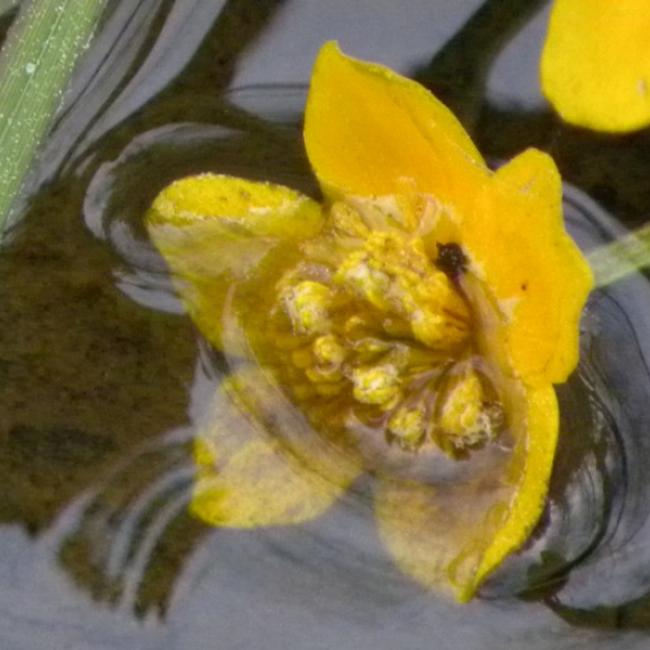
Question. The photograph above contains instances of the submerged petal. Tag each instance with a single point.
(533, 271)
(596, 63)
(370, 131)
(535, 411)
(213, 229)
(451, 535)
(248, 476)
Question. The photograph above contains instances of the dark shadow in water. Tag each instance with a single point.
(457, 73)
(611, 169)
(238, 26)
(6, 20)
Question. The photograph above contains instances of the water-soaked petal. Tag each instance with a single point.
(213, 229)
(534, 421)
(247, 476)
(596, 63)
(451, 534)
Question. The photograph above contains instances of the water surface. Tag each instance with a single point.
(104, 378)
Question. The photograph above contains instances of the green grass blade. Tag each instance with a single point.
(36, 62)
(622, 257)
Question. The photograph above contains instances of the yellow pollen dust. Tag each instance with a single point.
(464, 418)
(308, 304)
(376, 384)
(394, 274)
(348, 221)
(377, 324)
(408, 426)
(329, 349)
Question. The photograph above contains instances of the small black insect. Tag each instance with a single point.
(451, 260)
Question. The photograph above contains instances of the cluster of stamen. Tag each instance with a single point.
(370, 330)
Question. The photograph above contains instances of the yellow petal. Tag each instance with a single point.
(370, 131)
(450, 536)
(212, 230)
(534, 273)
(596, 63)
(536, 411)
(249, 475)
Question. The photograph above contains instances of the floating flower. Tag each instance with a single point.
(596, 63)
(411, 327)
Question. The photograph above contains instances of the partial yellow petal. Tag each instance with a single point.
(536, 410)
(212, 230)
(450, 536)
(249, 475)
(370, 131)
(533, 271)
(596, 63)
(238, 205)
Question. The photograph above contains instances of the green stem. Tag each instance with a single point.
(622, 257)
(36, 62)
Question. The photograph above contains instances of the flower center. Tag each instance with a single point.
(373, 332)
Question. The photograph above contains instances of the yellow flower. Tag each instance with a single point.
(596, 63)
(412, 327)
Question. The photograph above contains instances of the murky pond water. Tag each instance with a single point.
(104, 378)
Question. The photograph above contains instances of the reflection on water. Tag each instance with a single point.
(131, 532)
(105, 380)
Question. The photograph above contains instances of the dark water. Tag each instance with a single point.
(103, 377)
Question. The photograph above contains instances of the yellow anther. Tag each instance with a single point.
(376, 384)
(463, 417)
(408, 425)
(369, 347)
(328, 349)
(307, 304)
(398, 356)
(388, 212)
(370, 283)
(380, 315)
(393, 273)
(357, 326)
(435, 329)
(348, 221)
